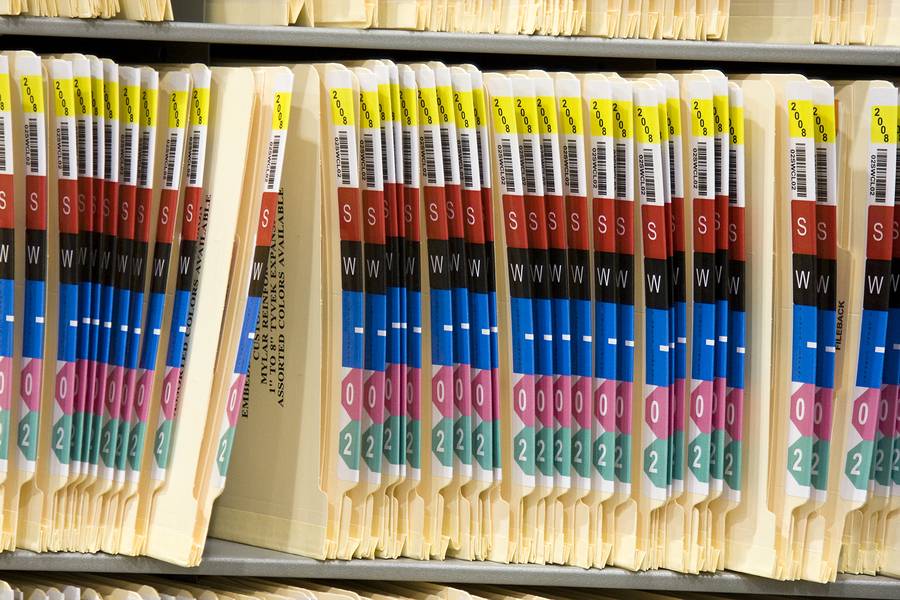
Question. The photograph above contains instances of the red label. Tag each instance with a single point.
(826, 231)
(165, 216)
(411, 213)
(454, 211)
(604, 222)
(654, 226)
(704, 224)
(624, 227)
(110, 208)
(514, 211)
(392, 222)
(678, 228)
(556, 222)
(266, 218)
(36, 206)
(537, 222)
(670, 232)
(577, 219)
(435, 213)
(373, 219)
(96, 204)
(474, 217)
(879, 234)
(85, 204)
(142, 203)
(722, 222)
(803, 219)
(7, 202)
(190, 214)
(67, 195)
(488, 206)
(736, 238)
(127, 196)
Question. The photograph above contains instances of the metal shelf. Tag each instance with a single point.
(451, 42)
(228, 558)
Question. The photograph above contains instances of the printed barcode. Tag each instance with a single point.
(64, 157)
(718, 163)
(368, 152)
(445, 155)
(897, 180)
(571, 162)
(31, 132)
(732, 176)
(600, 167)
(95, 149)
(822, 175)
(80, 147)
(672, 166)
(194, 151)
(465, 161)
(407, 158)
(108, 143)
(430, 166)
(273, 163)
(649, 175)
(144, 159)
(702, 175)
(126, 157)
(481, 171)
(800, 164)
(881, 169)
(621, 172)
(344, 157)
(506, 165)
(384, 154)
(528, 171)
(547, 159)
(170, 159)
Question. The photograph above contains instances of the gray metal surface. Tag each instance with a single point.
(452, 42)
(228, 558)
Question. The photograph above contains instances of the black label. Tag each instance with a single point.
(722, 275)
(68, 263)
(159, 268)
(139, 265)
(376, 280)
(519, 277)
(580, 274)
(656, 283)
(704, 277)
(36, 254)
(7, 253)
(185, 265)
(438, 264)
(258, 271)
(559, 279)
(737, 294)
(826, 284)
(458, 264)
(539, 271)
(679, 277)
(351, 266)
(605, 276)
(803, 279)
(412, 266)
(477, 268)
(625, 279)
(876, 290)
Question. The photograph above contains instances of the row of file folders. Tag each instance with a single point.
(588, 319)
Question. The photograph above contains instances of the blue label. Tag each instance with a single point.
(352, 330)
(522, 329)
(825, 349)
(721, 356)
(704, 332)
(481, 331)
(67, 332)
(803, 368)
(625, 371)
(581, 335)
(107, 296)
(736, 349)
(495, 341)
(394, 351)
(543, 337)
(461, 349)
(657, 351)
(891, 353)
(872, 335)
(441, 328)
(376, 331)
(414, 329)
(681, 340)
(35, 308)
(84, 313)
(7, 309)
(562, 342)
(121, 316)
(606, 344)
(134, 326)
(179, 323)
(248, 331)
(151, 331)
(95, 320)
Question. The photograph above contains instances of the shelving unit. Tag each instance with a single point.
(227, 558)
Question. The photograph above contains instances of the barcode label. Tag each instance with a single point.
(407, 158)
(549, 172)
(384, 154)
(194, 151)
(481, 165)
(881, 171)
(429, 165)
(144, 159)
(506, 166)
(571, 164)
(621, 171)
(126, 165)
(600, 168)
(169, 171)
(649, 175)
(367, 146)
(718, 163)
(3, 143)
(272, 167)
(800, 164)
(445, 155)
(732, 176)
(528, 170)
(344, 158)
(702, 169)
(95, 149)
(108, 144)
(822, 175)
(80, 144)
(465, 162)
(672, 166)
(32, 151)
(65, 159)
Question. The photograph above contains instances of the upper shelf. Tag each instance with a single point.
(452, 42)
(227, 558)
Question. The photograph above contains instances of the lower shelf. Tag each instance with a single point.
(228, 558)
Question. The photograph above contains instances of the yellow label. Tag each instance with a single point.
(384, 103)
(701, 117)
(663, 128)
(884, 124)
(673, 116)
(369, 113)
(82, 87)
(177, 109)
(526, 115)
(826, 128)
(736, 125)
(720, 112)
(149, 103)
(601, 117)
(546, 107)
(96, 97)
(199, 106)
(800, 118)
(281, 111)
(409, 113)
(465, 110)
(32, 94)
(395, 101)
(5, 93)
(622, 119)
(480, 107)
(444, 96)
(570, 115)
(504, 119)
(128, 112)
(63, 98)
(646, 124)
(342, 112)
(111, 99)
(428, 106)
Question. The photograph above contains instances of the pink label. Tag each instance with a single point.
(81, 384)
(482, 402)
(169, 391)
(374, 390)
(605, 404)
(543, 399)
(523, 400)
(801, 402)
(718, 406)
(99, 395)
(656, 411)
(142, 393)
(734, 424)
(6, 388)
(581, 401)
(887, 413)
(495, 387)
(442, 391)
(864, 416)
(113, 396)
(393, 390)
(701, 406)
(235, 394)
(678, 410)
(351, 394)
(562, 400)
(462, 389)
(624, 408)
(128, 394)
(414, 393)
(65, 386)
(30, 383)
(823, 417)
